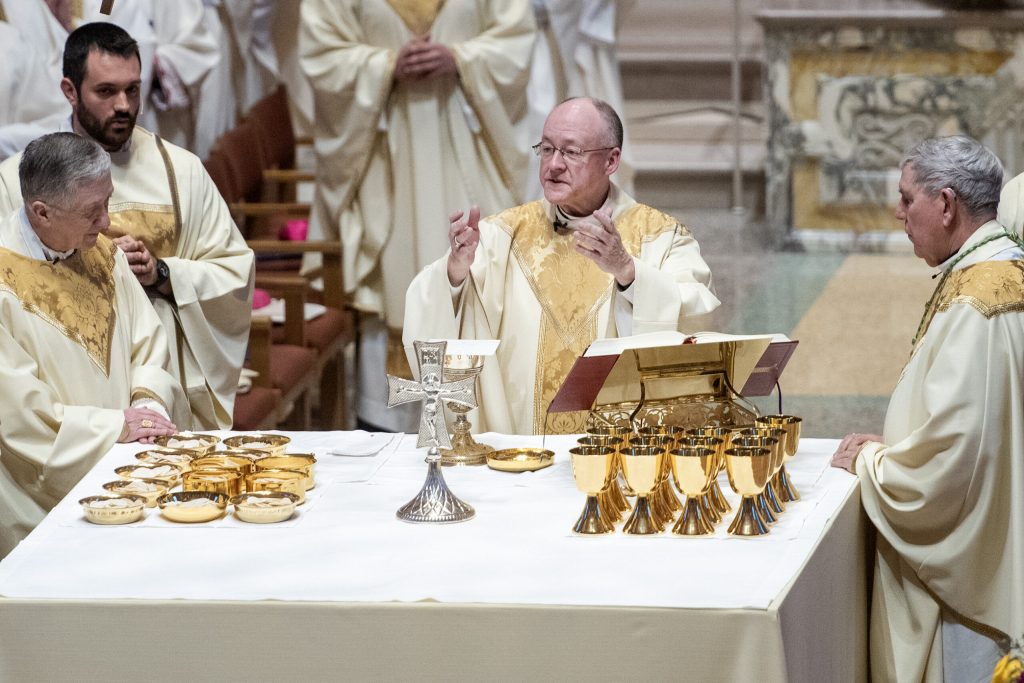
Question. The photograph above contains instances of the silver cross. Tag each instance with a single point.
(432, 389)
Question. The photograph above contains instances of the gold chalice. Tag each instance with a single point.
(592, 470)
(791, 425)
(778, 457)
(642, 468)
(663, 501)
(694, 468)
(716, 446)
(748, 470)
(764, 505)
(623, 433)
(614, 492)
(723, 434)
(465, 450)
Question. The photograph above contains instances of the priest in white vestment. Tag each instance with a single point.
(84, 357)
(169, 219)
(416, 107)
(549, 277)
(944, 483)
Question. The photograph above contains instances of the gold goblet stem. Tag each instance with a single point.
(693, 521)
(787, 491)
(747, 521)
(592, 520)
(641, 522)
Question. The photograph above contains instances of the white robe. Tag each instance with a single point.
(530, 289)
(211, 268)
(79, 344)
(32, 104)
(944, 489)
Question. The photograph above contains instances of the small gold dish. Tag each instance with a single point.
(289, 481)
(225, 482)
(148, 489)
(222, 462)
(109, 509)
(187, 441)
(520, 459)
(171, 474)
(275, 444)
(265, 507)
(187, 506)
(303, 462)
(182, 459)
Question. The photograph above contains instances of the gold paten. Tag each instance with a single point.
(265, 507)
(274, 444)
(302, 462)
(171, 506)
(178, 458)
(221, 462)
(289, 481)
(225, 482)
(113, 515)
(197, 443)
(171, 478)
(155, 489)
(520, 459)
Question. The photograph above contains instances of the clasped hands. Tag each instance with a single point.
(420, 59)
(142, 262)
(143, 425)
(845, 456)
(595, 237)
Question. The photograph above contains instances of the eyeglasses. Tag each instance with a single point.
(570, 154)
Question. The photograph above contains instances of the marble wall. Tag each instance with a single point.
(849, 91)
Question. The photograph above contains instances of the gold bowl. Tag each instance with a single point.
(289, 481)
(178, 458)
(274, 444)
(265, 507)
(520, 459)
(187, 441)
(185, 506)
(223, 460)
(99, 509)
(170, 474)
(147, 489)
(225, 482)
(303, 462)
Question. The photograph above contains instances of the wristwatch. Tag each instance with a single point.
(163, 274)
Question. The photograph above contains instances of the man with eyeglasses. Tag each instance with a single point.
(549, 277)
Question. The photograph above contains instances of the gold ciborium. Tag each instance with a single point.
(748, 470)
(613, 494)
(791, 425)
(465, 450)
(642, 467)
(764, 505)
(592, 470)
(722, 434)
(694, 468)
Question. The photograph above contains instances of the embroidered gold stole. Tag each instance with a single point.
(571, 291)
(417, 15)
(990, 287)
(75, 295)
(152, 223)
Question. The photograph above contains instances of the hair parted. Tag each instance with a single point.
(100, 36)
(962, 164)
(54, 166)
(611, 118)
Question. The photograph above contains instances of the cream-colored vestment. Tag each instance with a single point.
(79, 344)
(32, 104)
(211, 268)
(546, 303)
(395, 159)
(945, 489)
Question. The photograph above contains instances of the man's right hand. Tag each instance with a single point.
(143, 425)
(463, 236)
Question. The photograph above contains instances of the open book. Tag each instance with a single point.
(614, 346)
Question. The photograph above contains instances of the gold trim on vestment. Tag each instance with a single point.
(570, 288)
(143, 394)
(75, 295)
(990, 287)
(417, 15)
(151, 223)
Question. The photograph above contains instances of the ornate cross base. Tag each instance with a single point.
(435, 503)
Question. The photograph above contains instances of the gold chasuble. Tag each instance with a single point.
(945, 489)
(529, 288)
(417, 15)
(164, 197)
(79, 343)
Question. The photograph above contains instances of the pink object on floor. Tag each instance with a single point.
(260, 298)
(294, 230)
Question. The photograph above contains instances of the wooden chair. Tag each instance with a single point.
(273, 122)
(260, 407)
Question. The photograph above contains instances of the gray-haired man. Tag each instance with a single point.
(83, 357)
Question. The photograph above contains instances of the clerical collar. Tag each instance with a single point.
(564, 222)
(36, 248)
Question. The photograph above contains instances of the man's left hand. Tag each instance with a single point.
(423, 59)
(142, 262)
(598, 239)
(845, 456)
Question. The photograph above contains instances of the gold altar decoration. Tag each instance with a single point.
(465, 450)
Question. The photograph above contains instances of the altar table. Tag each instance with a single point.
(345, 591)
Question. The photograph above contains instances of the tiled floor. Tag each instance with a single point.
(854, 315)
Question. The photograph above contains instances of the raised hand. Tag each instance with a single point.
(598, 239)
(463, 236)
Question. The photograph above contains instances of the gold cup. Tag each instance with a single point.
(289, 481)
(592, 470)
(791, 425)
(227, 482)
(303, 462)
(694, 468)
(723, 435)
(613, 493)
(465, 449)
(623, 433)
(664, 503)
(712, 509)
(642, 467)
(749, 469)
(767, 508)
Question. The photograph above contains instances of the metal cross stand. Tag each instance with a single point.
(435, 502)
